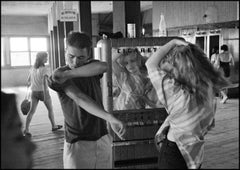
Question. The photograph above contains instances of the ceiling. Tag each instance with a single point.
(39, 8)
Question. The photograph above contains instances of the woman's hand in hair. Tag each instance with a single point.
(180, 42)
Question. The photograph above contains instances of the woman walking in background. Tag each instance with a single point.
(38, 81)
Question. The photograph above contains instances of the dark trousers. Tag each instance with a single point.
(226, 68)
(170, 156)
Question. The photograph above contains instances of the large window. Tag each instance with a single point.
(23, 50)
(37, 44)
(19, 51)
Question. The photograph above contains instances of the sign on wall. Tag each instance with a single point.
(68, 15)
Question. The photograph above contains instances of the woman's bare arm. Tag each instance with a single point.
(29, 80)
(45, 86)
(156, 57)
(231, 59)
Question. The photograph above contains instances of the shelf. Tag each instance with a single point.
(229, 24)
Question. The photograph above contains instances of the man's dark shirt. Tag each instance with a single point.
(79, 124)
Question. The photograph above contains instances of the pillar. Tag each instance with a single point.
(125, 12)
(85, 17)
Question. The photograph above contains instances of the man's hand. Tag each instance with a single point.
(119, 128)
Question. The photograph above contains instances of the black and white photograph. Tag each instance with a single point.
(119, 84)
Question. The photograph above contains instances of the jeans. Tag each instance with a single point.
(170, 156)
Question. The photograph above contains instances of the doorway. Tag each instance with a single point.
(200, 42)
(213, 41)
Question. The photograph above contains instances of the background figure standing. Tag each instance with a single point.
(87, 141)
(215, 57)
(186, 83)
(225, 60)
(132, 88)
(38, 83)
(16, 150)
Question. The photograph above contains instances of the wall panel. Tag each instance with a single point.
(183, 13)
(24, 25)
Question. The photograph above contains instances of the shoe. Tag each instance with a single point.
(223, 101)
(56, 128)
(27, 134)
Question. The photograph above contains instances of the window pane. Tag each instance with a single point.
(2, 52)
(33, 58)
(38, 44)
(20, 58)
(18, 44)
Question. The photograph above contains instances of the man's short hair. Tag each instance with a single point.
(224, 47)
(79, 40)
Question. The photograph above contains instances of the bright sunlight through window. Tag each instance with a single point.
(23, 50)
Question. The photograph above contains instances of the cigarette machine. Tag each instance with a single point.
(137, 150)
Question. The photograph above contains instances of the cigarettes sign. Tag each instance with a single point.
(68, 15)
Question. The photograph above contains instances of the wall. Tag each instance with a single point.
(182, 13)
(24, 25)
(20, 25)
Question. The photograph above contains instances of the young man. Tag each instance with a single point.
(87, 142)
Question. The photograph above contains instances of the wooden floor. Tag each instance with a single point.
(221, 149)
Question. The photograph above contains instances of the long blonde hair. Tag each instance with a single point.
(40, 57)
(194, 72)
(138, 57)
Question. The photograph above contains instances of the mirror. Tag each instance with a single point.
(131, 87)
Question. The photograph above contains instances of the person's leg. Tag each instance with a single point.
(48, 104)
(224, 96)
(104, 152)
(226, 70)
(33, 106)
(79, 155)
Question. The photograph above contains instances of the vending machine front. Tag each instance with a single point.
(129, 95)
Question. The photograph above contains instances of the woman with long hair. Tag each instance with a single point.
(38, 81)
(186, 83)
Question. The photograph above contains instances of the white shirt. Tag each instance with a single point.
(215, 60)
(37, 76)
